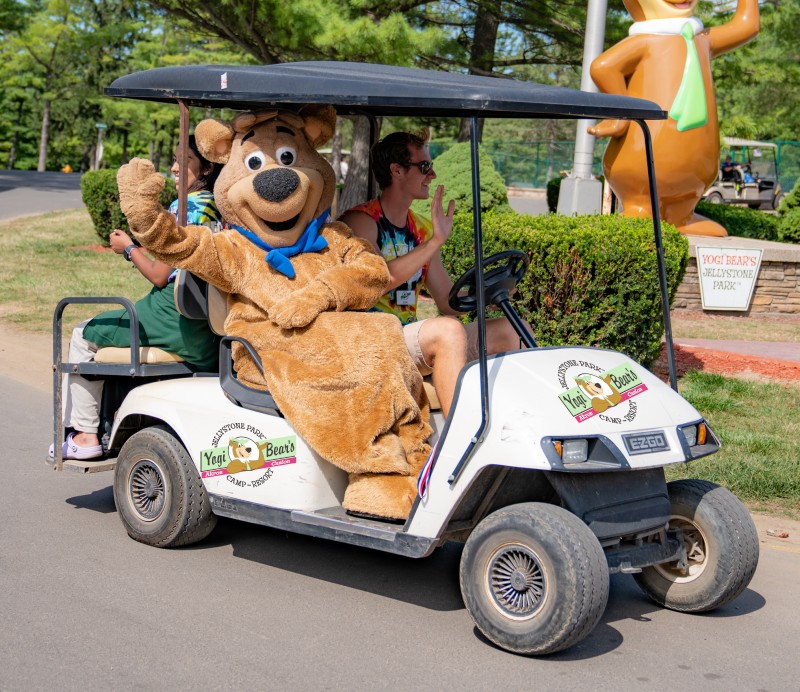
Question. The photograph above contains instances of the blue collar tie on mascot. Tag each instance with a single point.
(278, 257)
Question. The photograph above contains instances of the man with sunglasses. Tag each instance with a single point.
(411, 245)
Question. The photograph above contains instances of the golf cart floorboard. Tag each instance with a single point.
(91, 466)
(331, 522)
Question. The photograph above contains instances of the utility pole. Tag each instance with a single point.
(580, 193)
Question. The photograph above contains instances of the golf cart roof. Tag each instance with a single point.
(361, 88)
(736, 142)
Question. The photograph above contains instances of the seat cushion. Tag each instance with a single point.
(432, 398)
(147, 354)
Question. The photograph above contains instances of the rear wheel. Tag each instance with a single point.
(721, 545)
(534, 578)
(158, 492)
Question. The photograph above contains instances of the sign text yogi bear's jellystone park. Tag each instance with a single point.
(727, 276)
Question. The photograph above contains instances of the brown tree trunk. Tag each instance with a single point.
(355, 187)
(481, 54)
(42, 165)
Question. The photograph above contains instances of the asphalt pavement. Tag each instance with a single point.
(25, 193)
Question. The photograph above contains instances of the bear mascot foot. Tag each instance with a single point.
(383, 496)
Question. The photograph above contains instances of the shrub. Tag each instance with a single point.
(101, 197)
(789, 216)
(741, 221)
(454, 171)
(789, 231)
(593, 280)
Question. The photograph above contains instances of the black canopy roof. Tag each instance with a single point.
(358, 88)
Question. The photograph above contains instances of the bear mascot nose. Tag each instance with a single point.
(276, 184)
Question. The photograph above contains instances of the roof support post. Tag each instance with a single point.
(183, 162)
(478, 437)
(662, 270)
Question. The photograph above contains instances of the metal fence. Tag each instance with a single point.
(532, 164)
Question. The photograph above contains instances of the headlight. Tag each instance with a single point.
(572, 451)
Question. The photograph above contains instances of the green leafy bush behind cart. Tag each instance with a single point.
(101, 197)
(592, 280)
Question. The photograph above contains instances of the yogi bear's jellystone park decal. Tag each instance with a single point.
(238, 447)
(596, 391)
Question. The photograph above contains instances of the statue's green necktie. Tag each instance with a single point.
(689, 107)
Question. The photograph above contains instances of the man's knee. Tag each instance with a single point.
(443, 335)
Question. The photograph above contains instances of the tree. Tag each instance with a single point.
(757, 85)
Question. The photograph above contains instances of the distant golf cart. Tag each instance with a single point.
(550, 465)
(753, 180)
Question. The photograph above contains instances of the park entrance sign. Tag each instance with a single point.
(727, 276)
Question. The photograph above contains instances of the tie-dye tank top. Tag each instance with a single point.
(394, 242)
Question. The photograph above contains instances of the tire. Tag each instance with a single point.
(558, 588)
(722, 549)
(714, 198)
(158, 492)
(776, 202)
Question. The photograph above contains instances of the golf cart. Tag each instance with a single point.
(550, 466)
(752, 179)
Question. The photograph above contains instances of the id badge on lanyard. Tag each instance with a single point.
(406, 295)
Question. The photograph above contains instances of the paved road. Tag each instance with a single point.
(83, 607)
(23, 193)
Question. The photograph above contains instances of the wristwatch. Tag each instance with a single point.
(128, 250)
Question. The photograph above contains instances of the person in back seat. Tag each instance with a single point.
(160, 324)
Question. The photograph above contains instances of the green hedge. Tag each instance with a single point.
(789, 216)
(101, 197)
(742, 222)
(454, 171)
(593, 280)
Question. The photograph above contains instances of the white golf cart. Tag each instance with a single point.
(549, 467)
(752, 179)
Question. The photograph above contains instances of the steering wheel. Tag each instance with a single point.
(501, 273)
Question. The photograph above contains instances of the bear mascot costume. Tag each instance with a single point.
(342, 378)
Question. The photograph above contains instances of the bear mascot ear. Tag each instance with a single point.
(319, 122)
(214, 138)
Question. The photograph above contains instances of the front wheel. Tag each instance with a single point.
(714, 198)
(534, 578)
(158, 492)
(721, 544)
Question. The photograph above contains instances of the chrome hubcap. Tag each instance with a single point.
(516, 582)
(147, 490)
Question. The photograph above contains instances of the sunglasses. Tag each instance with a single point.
(425, 167)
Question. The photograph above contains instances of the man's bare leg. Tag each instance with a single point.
(443, 341)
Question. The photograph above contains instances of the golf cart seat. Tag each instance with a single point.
(190, 301)
(244, 395)
(135, 360)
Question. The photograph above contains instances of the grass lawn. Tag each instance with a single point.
(48, 257)
(759, 424)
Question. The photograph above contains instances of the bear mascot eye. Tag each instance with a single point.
(255, 161)
(286, 156)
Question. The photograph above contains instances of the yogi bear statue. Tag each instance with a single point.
(343, 379)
